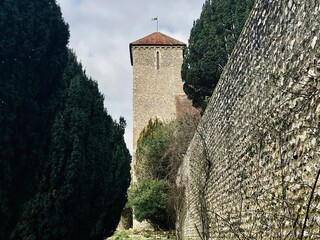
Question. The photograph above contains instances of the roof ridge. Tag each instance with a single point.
(157, 38)
(162, 35)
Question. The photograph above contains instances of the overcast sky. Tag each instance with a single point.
(101, 31)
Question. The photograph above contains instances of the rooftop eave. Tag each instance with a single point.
(156, 45)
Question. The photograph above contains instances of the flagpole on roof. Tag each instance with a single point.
(156, 19)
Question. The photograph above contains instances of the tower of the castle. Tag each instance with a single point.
(156, 61)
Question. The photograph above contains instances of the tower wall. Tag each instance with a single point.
(156, 82)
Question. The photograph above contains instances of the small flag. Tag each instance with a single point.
(156, 19)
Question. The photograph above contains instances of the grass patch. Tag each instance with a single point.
(142, 234)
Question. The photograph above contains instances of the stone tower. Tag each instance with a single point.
(157, 84)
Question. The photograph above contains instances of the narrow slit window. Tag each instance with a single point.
(158, 61)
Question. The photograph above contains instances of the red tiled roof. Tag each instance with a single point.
(158, 38)
(155, 39)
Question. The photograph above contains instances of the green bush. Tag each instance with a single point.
(149, 200)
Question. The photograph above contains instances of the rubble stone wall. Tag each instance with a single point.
(251, 171)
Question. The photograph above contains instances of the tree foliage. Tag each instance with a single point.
(153, 141)
(212, 39)
(149, 200)
(160, 150)
(64, 166)
(33, 55)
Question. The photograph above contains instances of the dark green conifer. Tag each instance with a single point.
(64, 166)
(33, 55)
(84, 185)
(211, 41)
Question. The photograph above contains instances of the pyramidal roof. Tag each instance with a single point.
(158, 38)
(155, 39)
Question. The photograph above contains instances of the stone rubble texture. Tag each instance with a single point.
(251, 167)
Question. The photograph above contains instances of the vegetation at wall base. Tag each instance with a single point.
(160, 151)
(212, 39)
(149, 199)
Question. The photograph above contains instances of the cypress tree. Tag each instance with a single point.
(211, 41)
(64, 166)
(33, 54)
(83, 189)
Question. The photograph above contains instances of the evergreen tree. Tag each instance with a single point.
(211, 41)
(83, 189)
(64, 166)
(33, 54)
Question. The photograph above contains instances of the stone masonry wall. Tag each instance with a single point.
(251, 171)
(154, 89)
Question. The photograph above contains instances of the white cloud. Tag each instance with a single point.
(101, 31)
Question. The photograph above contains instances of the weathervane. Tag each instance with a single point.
(156, 19)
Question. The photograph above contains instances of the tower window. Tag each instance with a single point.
(158, 61)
